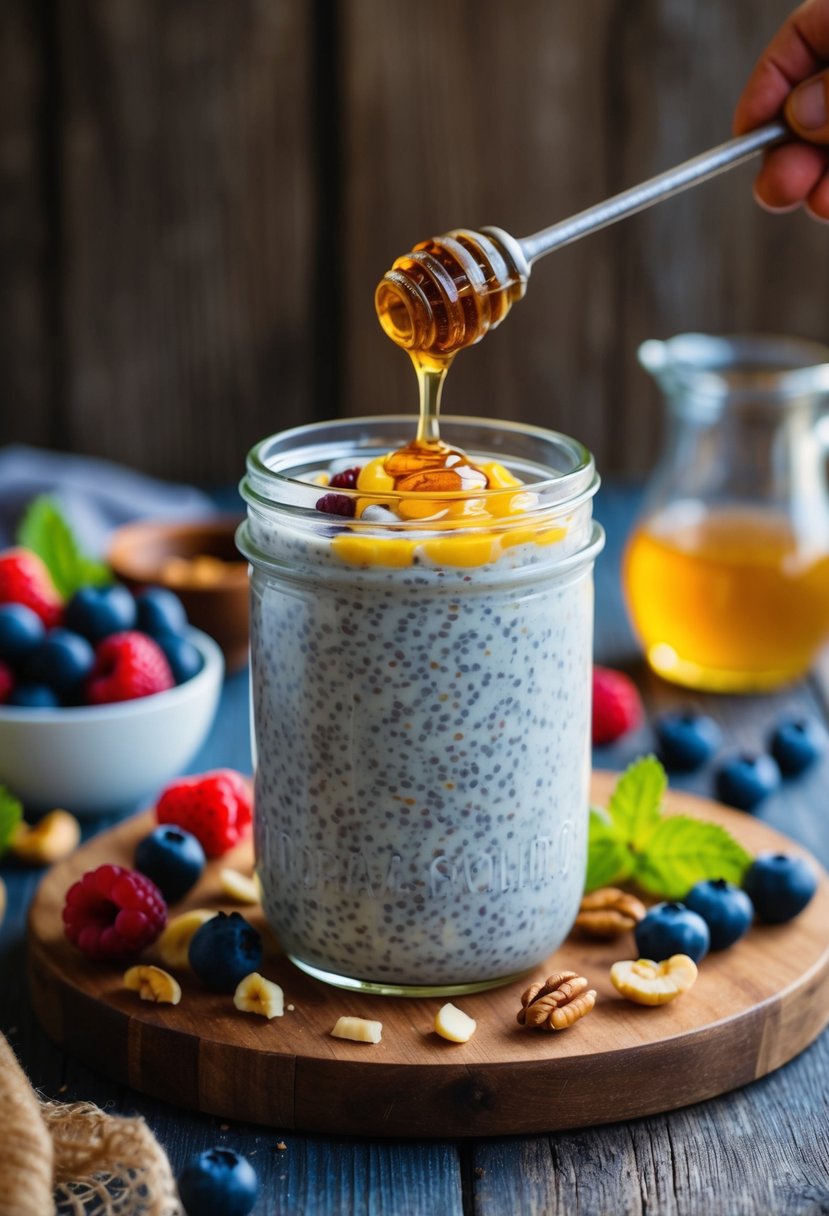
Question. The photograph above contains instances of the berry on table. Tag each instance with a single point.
(745, 780)
(33, 696)
(686, 739)
(21, 629)
(671, 928)
(218, 1182)
(337, 504)
(172, 858)
(726, 910)
(780, 886)
(184, 658)
(112, 913)
(62, 661)
(160, 611)
(215, 807)
(617, 706)
(796, 744)
(96, 612)
(24, 579)
(128, 665)
(224, 950)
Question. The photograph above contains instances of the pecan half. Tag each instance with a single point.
(608, 913)
(557, 1003)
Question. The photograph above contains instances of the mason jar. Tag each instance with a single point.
(421, 706)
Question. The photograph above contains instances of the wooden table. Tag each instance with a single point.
(762, 1149)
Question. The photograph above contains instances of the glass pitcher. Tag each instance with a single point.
(726, 572)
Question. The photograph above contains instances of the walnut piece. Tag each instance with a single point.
(609, 913)
(557, 1003)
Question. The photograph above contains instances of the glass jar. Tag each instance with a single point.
(421, 708)
(726, 573)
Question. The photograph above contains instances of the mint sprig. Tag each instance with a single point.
(44, 530)
(11, 814)
(665, 855)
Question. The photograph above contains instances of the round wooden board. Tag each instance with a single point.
(753, 1008)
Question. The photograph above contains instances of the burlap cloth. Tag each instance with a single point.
(75, 1160)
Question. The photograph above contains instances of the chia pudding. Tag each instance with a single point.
(421, 726)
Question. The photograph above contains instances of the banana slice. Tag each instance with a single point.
(453, 1024)
(174, 942)
(153, 984)
(239, 887)
(359, 1030)
(54, 837)
(255, 994)
(648, 983)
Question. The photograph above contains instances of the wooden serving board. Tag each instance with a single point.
(753, 1007)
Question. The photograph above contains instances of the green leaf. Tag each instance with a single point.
(44, 530)
(11, 813)
(635, 805)
(682, 851)
(608, 858)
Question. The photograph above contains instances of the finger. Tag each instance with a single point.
(807, 109)
(817, 202)
(789, 174)
(799, 49)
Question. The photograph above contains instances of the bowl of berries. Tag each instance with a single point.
(104, 694)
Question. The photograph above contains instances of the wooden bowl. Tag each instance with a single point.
(199, 561)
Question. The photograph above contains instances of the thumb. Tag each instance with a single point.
(807, 109)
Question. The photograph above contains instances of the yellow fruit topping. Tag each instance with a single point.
(153, 984)
(648, 983)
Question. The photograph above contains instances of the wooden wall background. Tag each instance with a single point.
(197, 198)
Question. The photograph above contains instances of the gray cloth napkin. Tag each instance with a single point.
(95, 496)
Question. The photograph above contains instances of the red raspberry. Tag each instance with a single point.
(24, 579)
(215, 807)
(617, 706)
(347, 480)
(128, 665)
(113, 914)
(336, 504)
(6, 682)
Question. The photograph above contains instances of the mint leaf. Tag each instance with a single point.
(682, 851)
(608, 858)
(11, 813)
(635, 805)
(44, 530)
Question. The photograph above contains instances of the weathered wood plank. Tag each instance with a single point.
(187, 208)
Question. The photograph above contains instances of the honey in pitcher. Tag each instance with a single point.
(726, 599)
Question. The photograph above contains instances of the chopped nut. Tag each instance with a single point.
(54, 837)
(360, 1030)
(649, 983)
(608, 913)
(239, 887)
(281, 1146)
(153, 984)
(255, 994)
(174, 943)
(557, 1003)
(453, 1024)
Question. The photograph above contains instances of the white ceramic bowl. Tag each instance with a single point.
(94, 758)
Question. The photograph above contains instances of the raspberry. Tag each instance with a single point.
(112, 913)
(617, 706)
(347, 480)
(6, 682)
(336, 504)
(24, 579)
(128, 665)
(214, 807)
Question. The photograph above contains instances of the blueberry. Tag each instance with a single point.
(172, 858)
(95, 612)
(62, 660)
(33, 696)
(726, 910)
(218, 1182)
(184, 658)
(668, 929)
(797, 743)
(20, 632)
(686, 740)
(160, 611)
(743, 781)
(780, 886)
(224, 950)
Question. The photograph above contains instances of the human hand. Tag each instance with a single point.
(792, 74)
